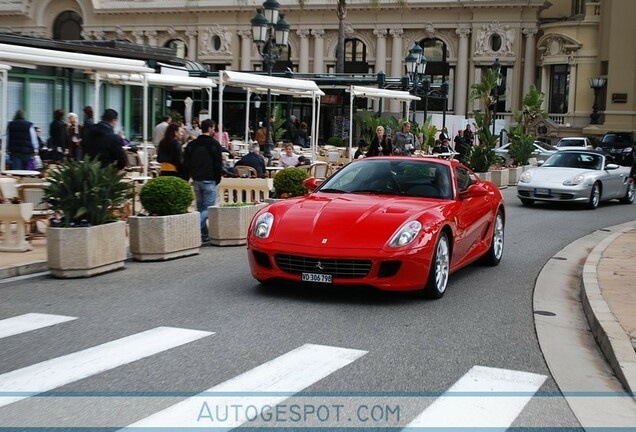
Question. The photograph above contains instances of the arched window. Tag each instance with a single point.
(355, 56)
(68, 26)
(437, 70)
(180, 47)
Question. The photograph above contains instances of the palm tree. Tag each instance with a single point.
(342, 15)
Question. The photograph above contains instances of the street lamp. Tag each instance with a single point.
(270, 33)
(445, 96)
(257, 104)
(496, 66)
(416, 66)
(596, 84)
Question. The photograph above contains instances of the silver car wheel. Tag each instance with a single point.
(595, 196)
(498, 237)
(630, 193)
(442, 256)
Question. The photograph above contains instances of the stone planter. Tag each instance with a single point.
(160, 238)
(500, 177)
(228, 225)
(85, 252)
(513, 175)
(485, 176)
(13, 218)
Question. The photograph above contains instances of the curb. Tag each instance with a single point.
(607, 331)
(23, 269)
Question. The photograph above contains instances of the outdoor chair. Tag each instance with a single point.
(319, 170)
(34, 193)
(243, 171)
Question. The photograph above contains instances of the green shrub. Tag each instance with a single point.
(335, 141)
(289, 182)
(83, 193)
(167, 195)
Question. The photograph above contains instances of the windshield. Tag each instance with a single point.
(571, 143)
(575, 160)
(545, 146)
(414, 177)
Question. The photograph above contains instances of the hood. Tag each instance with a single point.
(345, 220)
(556, 174)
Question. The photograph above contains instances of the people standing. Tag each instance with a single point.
(468, 135)
(160, 130)
(57, 132)
(170, 152)
(404, 141)
(460, 145)
(302, 136)
(223, 140)
(380, 145)
(104, 144)
(203, 162)
(73, 137)
(22, 141)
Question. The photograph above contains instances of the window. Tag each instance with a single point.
(437, 70)
(14, 99)
(40, 102)
(495, 42)
(355, 56)
(68, 26)
(463, 178)
(578, 7)
(559, 88)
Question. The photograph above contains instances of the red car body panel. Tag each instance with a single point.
(350, 226)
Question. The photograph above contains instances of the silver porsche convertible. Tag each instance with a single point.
(578, 176)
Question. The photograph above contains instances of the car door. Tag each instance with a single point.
(613, 182)
(471, 219)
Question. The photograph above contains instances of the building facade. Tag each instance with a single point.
(557, 46)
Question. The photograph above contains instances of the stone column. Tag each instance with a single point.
(192, 44)
(139, 37)
(461, 79)
(380, 57)
(529, 59)
(508, 90)
(303, 57)
(397, 60)
(477, 102)
(545, 85)
(319, 50)
(246, 49)
(572, 90)
(152, 37)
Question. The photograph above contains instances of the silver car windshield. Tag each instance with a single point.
(575, 160)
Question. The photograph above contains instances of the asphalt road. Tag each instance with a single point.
(400, 352)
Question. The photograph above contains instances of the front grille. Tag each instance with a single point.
(340, 268)
(565, 196)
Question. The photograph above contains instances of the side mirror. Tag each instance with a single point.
(311, 184)
(539, 163)
(611, 166)
(474, 190)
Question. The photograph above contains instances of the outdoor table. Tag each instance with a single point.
(272, 170)
(133, 180)
(22, 173)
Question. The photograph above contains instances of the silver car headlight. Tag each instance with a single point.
(577, 180)
(526, 177)
(263, 225)
(406, 234)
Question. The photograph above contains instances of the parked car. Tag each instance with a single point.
(584, 176)
(393, 223)
(620, 145)
(541, 152)
(574, 143)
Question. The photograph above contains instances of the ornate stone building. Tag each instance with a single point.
(557, 45)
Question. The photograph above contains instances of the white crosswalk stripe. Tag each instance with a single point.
(290, 373)
(29, 322)
(467, 403)
(59, 371)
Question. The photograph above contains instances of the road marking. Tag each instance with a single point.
(29, 322)
(477, 409)
(59, 371)
(289, 373)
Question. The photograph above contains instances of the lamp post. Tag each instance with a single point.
(596, 84)
(416, 66)
(445, 96)
(257, 105)
(496, 66)
(270, 32)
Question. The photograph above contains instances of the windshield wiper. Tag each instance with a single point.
(375, 191)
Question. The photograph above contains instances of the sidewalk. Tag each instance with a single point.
(608, 293)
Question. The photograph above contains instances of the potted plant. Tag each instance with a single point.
(12, 211)
(228, 223)
(289, 182)
(165, 230)
(87, 237)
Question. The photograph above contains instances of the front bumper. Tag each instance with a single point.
(554, 192)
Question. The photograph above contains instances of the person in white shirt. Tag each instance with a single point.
(289, 159)
(160, 130)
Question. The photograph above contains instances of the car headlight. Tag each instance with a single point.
(627, 150)
(406, 234)
(526, 177)
(574, 181)
(263, 225)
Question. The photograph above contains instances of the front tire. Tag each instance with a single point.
(439, 272)
(495, 252)
(629, 194)
(595, 197)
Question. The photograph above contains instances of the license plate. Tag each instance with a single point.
(542, 191)
(316, 277)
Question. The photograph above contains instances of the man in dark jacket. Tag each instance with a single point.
(22, 141)
(104, 144)
(254, 159)
(202, 161)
